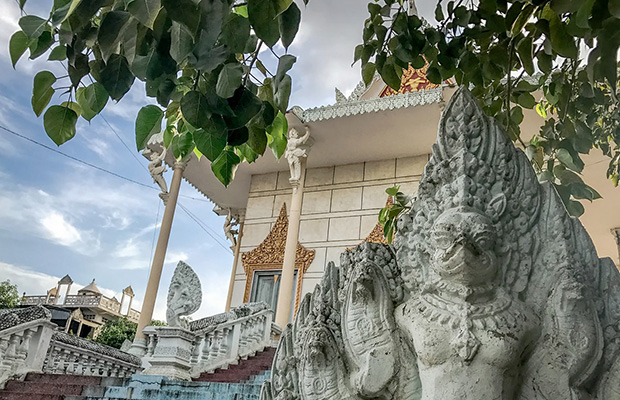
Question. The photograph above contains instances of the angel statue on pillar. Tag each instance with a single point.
(231, 233)
(296, 150)
(157, 168)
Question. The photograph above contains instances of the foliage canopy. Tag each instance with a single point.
(114, 333)
(199, 60)
(510, 53)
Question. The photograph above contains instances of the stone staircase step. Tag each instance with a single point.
(244, 371)
(69, 379)
(26, 387)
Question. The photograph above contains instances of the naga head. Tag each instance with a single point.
(463, 240)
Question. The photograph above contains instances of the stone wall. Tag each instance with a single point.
(340, 208)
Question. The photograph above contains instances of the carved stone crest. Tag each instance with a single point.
(184, 295)
(490, 291)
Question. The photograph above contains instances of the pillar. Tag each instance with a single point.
(129, 308)
(57, 296)
(235, 262)
(120, 307)
(616, 233)
(79, 331)
(146, 315)
(66, 293)
(292, 237)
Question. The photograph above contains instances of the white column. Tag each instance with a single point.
(150, 296)
(231, 285)
(296, 153)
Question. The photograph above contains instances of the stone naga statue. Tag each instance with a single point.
(491, 291)
(184, 295)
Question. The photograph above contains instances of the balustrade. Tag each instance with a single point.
(70, 355)
(227, 342)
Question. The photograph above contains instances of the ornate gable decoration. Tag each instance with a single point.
(413, 80)
(271, 250)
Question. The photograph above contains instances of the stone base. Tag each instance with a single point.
(138, 348)
(172, 355)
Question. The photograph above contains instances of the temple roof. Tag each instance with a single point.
(91, 288)
(66, 280)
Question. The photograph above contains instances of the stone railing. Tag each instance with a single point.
(37, 300)
(68, 354)
(24, 337)
(210, 343)
(30, 342)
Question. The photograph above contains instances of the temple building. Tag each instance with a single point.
(83, 314)
(299, 213)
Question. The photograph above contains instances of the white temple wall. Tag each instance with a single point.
(340, 209)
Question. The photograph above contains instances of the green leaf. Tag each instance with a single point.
(195, 109)
(168, 135)
(525, 49)
(242, 10)
(281, 5)
(245, 105)
(148, 123)
(614, 8)
(94, 98)
(388, 73)
(237, 137)
(262, 16)
(526, 100)
(224, 166)
(283, 93)
(210, 143)
(41, 45)
(368, 72)
(144, 11)
(565, 158)
(247, 153)
(229, 80)
(235, 33)
(257, 140)
(276, 139)
(17, 46)
(116, 77)
(574, 208)
(111, 31)
(42, 91)
(284, 65)
(182, 145)
(33, 26)
(561, 41)
(58, 53)
(181, 42)
(392, 191)
(185, 12)
(72, 105)
(289, 24)
(59, 123)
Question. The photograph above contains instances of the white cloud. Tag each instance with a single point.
(60, 230)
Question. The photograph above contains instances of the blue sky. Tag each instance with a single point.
(59, 217)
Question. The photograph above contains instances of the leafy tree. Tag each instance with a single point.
(199, 59)
(115, 332)
(510, 52)
(9, 296)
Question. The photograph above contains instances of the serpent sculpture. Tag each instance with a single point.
(490, 291)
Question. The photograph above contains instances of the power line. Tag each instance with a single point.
(123, 142)
(74, 158)
(192, 216)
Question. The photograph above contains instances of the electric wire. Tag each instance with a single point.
(191, 215)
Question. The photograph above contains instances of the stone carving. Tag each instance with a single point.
(157, 168)
(355, 106)
(297, 148)
(490, 291)
(231, 233)
(184, 295)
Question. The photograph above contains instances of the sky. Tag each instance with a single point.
(59, 216)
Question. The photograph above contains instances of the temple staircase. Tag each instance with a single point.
(242, 381)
